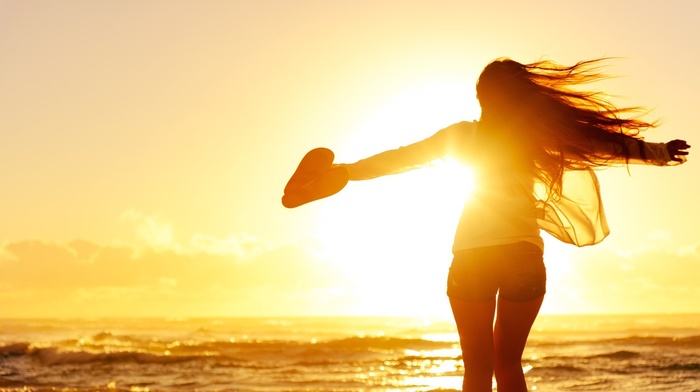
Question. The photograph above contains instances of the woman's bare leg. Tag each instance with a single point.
(475, 327)
(512, 328)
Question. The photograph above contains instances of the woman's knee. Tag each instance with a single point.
(506, 360)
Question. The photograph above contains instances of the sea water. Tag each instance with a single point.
(564, 353)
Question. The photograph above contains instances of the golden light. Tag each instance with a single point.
(406, 115)
(561, 277)
(391, 237)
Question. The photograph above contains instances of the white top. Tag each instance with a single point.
(508, 207)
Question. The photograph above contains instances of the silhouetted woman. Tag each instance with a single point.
(532, 152)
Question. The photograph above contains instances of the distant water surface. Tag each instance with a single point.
(565, 353)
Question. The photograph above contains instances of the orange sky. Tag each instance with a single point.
(146, 145)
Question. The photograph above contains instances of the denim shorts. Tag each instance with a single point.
(515, 271)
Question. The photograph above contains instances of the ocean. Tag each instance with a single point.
(564, 353)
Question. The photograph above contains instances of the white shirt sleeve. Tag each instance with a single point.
(412, 156)
(640, 152)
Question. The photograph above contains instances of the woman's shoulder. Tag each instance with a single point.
(460, 129)
(458, 138)
(465, 125)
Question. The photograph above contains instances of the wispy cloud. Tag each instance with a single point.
(649, 279)
(155, 234)
(239, 274)
(81, 277)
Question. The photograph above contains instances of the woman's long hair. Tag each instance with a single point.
(555, 125)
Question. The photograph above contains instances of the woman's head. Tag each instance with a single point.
(548, 99)
(504, 87)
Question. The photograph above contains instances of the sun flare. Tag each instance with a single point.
(394, 235)
(407, 115)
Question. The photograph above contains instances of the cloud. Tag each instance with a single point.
(242, 246)
(650, 279)
(79, 277)
(151, 231)
(240, 275)
(157, 235)
(163, 275)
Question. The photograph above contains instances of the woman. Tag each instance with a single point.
(532, 152)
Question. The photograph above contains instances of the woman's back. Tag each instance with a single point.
(502, 208)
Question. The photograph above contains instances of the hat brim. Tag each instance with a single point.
(328, 183)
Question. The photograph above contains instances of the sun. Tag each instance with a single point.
(407, 115)
(391, 237)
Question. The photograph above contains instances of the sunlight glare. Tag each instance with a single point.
(408, 115)
(561, 276)
(392, 237)
(437, 383)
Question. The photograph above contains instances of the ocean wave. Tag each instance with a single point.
(346, 345)
(621, 355)
(102, 348)
(55, 356)
(386, 343)
(14, 349)
(106, 336)
(58, 356)
(556, 369)
(692, 341)
(680, 367)
(616, 355)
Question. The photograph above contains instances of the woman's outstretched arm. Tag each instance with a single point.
(638, 151)
(412, 156)
(659, 154)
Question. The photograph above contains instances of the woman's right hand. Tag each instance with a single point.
(676, 149)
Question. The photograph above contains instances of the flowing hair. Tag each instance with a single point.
(556, 125)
